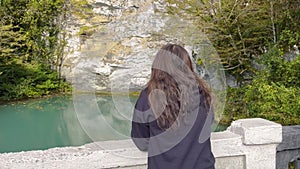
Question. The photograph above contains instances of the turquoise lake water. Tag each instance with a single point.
(53, 122)
(39, 124)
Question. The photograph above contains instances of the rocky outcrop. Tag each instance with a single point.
(118, 55)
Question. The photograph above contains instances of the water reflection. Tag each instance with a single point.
(101, 119)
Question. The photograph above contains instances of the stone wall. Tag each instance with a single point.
(247, 144)
(289, 150)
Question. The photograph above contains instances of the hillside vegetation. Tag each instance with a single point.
(258, 43)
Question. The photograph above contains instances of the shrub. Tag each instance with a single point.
(27, 81)
(274, 93)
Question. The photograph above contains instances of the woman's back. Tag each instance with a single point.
(179, 151)
(171, 114)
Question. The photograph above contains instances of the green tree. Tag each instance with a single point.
(287, 21)
(247, 33)
(41, 29)
(11, 40)
(239, 30)
(11, 43)
(242, 30)
(275, 92)
(32, 36)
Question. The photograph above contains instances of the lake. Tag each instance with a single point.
(53, 122)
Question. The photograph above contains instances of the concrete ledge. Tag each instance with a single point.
(87, 156)
(233, 162)
(116, 154)
(227, 148)
(257, 131)
(225, 144)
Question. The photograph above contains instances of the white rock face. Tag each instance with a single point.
(119, 54)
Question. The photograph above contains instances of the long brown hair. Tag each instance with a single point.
(169, 93)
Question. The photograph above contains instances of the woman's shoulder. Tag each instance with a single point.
(142, 101)
(144, 91)
(144, 94)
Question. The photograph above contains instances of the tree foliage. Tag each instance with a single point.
(274, 93)
(31, 43)
(250, 35)
(36, 26)
(287, 20)
(241, 30)
(28, 81)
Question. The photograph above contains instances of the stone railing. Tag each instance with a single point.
(246, 144)
(289, 150)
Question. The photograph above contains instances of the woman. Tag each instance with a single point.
(172, 114)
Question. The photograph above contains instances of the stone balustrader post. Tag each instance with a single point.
(260, 138)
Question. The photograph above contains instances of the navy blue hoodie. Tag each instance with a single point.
(182, 148)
